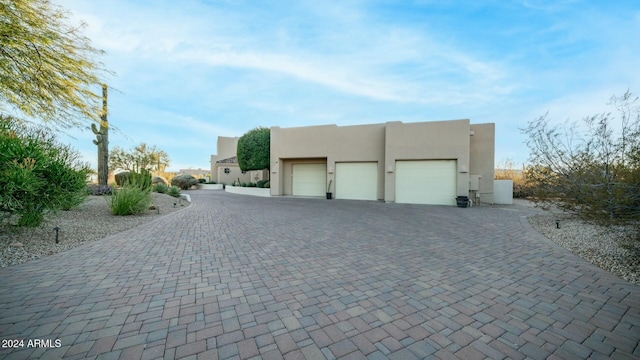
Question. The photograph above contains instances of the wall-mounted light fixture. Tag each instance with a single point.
(390, 168)
(226, 170)
(330, 169)
(463, 169)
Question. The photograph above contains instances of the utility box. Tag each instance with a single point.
(474, 182)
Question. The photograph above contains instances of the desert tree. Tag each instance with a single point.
(591, 168)
(141, 157)
(48, 68)
(254, 150)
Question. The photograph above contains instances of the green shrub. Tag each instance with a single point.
(253, 149)
(160, 188)
(261, 183)
(267, 185)
(129, 200)
(37, 174)
(141, 180)
(211, 182)
(174, 191)
(202, 181)
(184, 182)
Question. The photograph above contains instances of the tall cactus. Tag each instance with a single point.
(102, 141)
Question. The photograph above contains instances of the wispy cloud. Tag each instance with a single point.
(199, 69)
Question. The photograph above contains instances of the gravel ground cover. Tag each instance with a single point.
(607, 248)
(610, 248)
(90, 221)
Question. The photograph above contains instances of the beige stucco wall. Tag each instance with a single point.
(482, 160)
(235, 173)
(471, 146)
(226, 148)
(330, 143)
(437, 140)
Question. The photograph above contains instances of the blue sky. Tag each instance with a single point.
(189, 71)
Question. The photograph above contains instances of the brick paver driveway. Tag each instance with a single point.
(243, 277)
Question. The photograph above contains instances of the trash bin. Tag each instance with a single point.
(462, 201)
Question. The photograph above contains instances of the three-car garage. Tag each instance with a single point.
(416, 181)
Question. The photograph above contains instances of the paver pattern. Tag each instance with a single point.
(237, 277)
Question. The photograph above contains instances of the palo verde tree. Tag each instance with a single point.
(48, 69)
(141, 157)
(591, 170)
(253, 150)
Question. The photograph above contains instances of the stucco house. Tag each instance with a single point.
(419, 163)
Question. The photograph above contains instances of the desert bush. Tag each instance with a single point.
(590, 171)
(122, 177)
(184, 182)
(159, 180)
(37, 174)
(134, 196)
(129, 200)
(141, 180)
(160, 188)
(174, 191)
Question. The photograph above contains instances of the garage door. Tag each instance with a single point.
(357, 181)
(309, 179)
(426, 182)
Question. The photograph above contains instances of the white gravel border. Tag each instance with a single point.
(89, 222)
(599, 245)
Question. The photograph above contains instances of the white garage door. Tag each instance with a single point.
(426, 182)
(357, 181)
(309, 179)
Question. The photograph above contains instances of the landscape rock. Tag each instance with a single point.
(89, 222)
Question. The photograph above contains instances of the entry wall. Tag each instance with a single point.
(234, 174)
(438, 140)
(482, 158)
(317, 143)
